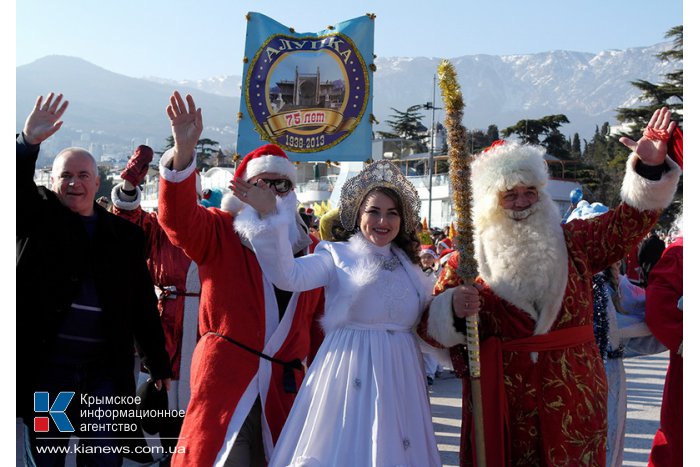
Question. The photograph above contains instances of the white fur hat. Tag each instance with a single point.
(502, 166)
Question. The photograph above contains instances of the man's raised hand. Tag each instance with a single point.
(186, 125)
(652, 148)
(45, 119)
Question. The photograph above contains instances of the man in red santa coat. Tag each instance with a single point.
(544, 388)
(247, 366)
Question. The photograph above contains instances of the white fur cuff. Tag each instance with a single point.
(441, 321)
(249, 224)
(175, 175)
(118, 202)
(231, 204)
(648, 195)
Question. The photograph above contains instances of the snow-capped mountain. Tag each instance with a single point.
(500, 90)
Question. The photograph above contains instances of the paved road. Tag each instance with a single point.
(645, 385)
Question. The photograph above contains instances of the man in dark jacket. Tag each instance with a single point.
(84, 296)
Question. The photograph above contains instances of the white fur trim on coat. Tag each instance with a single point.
(248, 222)
(231, 204)
(441, 321)
(648, 195)
(119, 203)
(175, 175)
(270, 164)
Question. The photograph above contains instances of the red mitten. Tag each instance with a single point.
(137, 167)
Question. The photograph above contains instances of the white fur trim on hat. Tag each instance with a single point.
(119, 203)
(647, 195)
(502, 168)
(270, 164)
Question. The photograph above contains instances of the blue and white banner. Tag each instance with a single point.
(309, 93)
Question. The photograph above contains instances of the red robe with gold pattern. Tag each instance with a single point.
(555, 404)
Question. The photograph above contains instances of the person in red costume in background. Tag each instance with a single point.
(544, 387)
(176, 280)
(247, 366)
(664, 316)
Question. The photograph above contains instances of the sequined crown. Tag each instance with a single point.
(375, 175)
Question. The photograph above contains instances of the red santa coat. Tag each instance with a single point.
(239, 303)
(169, 267)
(665, 320)
(555, 406)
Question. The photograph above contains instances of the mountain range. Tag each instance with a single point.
(119, 110)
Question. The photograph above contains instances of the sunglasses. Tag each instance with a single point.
(281, 185)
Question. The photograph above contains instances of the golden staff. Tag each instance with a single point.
(467, 270)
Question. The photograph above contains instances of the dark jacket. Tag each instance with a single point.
(53, 253)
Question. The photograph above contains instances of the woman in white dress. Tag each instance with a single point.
(364, 400)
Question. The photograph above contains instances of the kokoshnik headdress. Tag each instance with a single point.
(375, 175)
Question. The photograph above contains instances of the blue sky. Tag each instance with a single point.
(187, 39)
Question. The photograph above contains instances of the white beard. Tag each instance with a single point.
(525, 261)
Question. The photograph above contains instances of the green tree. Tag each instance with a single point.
(477, 141)
(529, 131)
(576, 147)
(668, 93)
(407, 124)
(492, 133)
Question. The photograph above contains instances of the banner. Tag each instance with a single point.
(309, 93)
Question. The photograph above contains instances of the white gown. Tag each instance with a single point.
(364, 400)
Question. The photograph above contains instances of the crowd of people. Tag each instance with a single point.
(270, 336)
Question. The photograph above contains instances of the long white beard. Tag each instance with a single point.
(525, 261)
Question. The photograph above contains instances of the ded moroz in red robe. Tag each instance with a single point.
(237, 302)
(553, 407)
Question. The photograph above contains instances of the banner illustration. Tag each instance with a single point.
(308, 93)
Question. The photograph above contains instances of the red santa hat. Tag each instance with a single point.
(428, 250)
(445, 243)
(268, 158)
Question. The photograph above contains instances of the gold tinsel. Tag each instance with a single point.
(291, 30)
(239, 115)
(236, 157)
(460, 171)
(371, 15)
(247, 17)
(245, 59)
